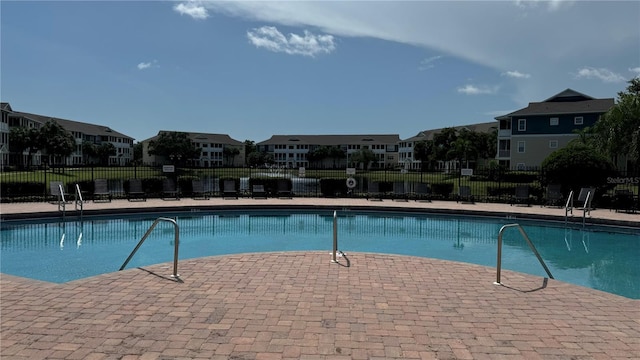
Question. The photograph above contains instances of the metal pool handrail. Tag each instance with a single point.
(533, 248)
(335, 237)
(79, 200)
(568, 208)
(176, 243)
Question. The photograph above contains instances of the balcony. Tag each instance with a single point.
(504, 133)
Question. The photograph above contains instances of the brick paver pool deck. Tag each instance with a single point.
(299, 305)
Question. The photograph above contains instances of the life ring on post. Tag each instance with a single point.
(351, 183)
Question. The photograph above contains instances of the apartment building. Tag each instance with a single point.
(406, 154)
(81, 131)
(292, 151)
(5, 110)
(527, 136)
(212, 151)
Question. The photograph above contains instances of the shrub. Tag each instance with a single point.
(576, 166)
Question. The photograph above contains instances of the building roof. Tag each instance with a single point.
(331, 140)
(480, 127)
(77, 126)
(203, 138)
(5, 107)
(565, 102)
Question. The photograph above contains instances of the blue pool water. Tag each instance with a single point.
(598, 257)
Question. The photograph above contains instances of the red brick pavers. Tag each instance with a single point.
(300, 306)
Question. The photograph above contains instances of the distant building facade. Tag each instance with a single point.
(527, 136)
(82, 132)
(212, 151)
(292, 151)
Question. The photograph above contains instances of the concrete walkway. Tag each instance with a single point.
(299, 305)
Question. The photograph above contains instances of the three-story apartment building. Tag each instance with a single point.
(82, 132)
(527, 136)
(292, 151)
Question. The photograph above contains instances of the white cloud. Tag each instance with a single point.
(309, 44)
(635, 70)
(477, 90)
(494, 34)
(193, 9)
(428, 63)
(146, 65)
(516, 74)
(603, 74)
(552, 5)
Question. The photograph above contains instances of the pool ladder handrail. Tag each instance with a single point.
(62, 202)
(335, 237)
(526, 237)
(79, 201)
(176, 244)
(586, 208)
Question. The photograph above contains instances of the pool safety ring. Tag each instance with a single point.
(351, 183)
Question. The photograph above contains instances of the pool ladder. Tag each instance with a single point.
(62, 202)
(533, 248)
(176, 243)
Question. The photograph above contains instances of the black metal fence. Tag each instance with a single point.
(485, 185)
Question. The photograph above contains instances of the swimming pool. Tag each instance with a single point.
(598, 257)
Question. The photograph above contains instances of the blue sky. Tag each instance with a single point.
(254, 69)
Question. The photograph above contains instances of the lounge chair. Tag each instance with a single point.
(197, 190)
(399, 192)
(464, 195)
(229, 189)
(101, 190)
(422, 192)
(258, 191)
(623, 201)
(373, 191)
(135, 190)
(521, 195)
(554, 195)
(169, 190)
(284, 188)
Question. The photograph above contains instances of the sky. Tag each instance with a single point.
(256, 69)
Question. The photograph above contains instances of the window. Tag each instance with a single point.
(553, 144)
(554, 121)
(521, 166)
(522, 124)
(578, 120)
(521, 146)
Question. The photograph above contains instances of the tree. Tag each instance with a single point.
(576, 166)
(443, 143)
(317, 155)
(617, 132)
(423, 152)
(57, 142)
(258, 158)
(138, 152)
(175, 146)
(249, 148)
(89, 150)
(364, 157)
(230, 154)
(19, 141)
(104, 151)
(336, 153)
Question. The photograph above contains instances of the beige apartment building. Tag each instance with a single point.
(291, 151)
